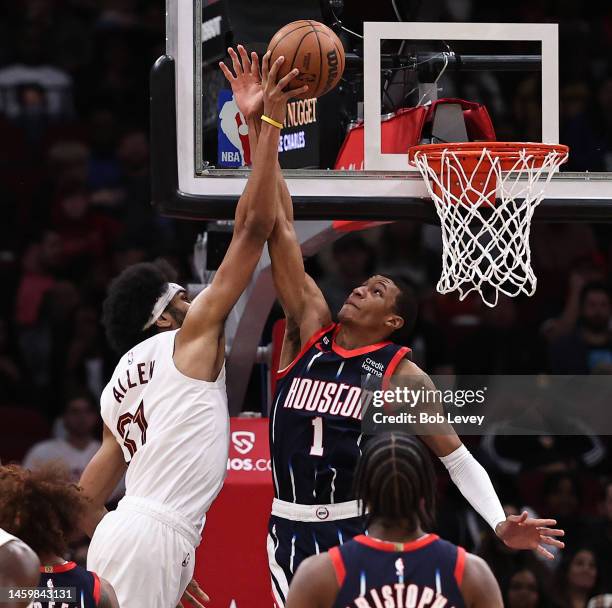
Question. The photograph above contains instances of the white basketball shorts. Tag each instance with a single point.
(146, 552)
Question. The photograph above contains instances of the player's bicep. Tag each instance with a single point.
(316, 315)
(316, 311)
(440, 437)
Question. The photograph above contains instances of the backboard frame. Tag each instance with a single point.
(179, 191)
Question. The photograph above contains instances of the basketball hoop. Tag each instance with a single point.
(485, 195)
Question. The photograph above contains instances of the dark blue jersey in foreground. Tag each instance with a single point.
(379, 574)
(87, 585)
(315, 430)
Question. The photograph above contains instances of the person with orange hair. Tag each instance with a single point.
(42, 508)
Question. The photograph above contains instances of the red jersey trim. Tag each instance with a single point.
(460, 565)
(347, 353)
(58, 568)
(283, 372)
(96, 588)
(395, 361)
(338, 564)
(384, 545)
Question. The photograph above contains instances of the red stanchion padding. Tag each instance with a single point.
(398, 133)
(231, 562)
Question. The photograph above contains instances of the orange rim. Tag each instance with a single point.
(507, 150)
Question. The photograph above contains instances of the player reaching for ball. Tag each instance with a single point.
(165, 407)
(397, 563)
(316, 440)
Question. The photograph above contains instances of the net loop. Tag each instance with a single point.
(485, 194)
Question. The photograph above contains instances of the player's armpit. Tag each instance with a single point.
(479, 587)
(99, 479)
(108, 598)
(314, 584)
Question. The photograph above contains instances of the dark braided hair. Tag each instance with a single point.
(395, 481)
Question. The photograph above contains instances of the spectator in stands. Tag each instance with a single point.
(84, 355)
(525, 590)
(588, 348)
(354, 261)
(76, 450)
(31, 86)
(576, 579)
(584, 273)
(86, 234)
(12, 384)
(402, 251)
(562, 499)
(496, 344)
(601, 601)
(602, 536)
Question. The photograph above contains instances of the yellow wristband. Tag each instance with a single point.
(271, 121)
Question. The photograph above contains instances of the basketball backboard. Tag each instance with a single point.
(516, 70)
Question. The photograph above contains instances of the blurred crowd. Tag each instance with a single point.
(75, 193)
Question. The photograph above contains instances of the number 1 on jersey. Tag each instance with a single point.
(317, 441)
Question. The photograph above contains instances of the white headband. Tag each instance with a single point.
(160, 304)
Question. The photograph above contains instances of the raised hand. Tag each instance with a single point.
(245, 81)
(275, 94)
(524, 532)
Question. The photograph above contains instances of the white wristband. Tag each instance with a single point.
(475, 485)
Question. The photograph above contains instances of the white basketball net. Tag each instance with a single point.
(486, 248)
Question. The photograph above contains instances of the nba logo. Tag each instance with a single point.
(232, 133)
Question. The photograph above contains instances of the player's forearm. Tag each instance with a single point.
(254, 125)
(98, 481)
(475, 484)
(256, 211)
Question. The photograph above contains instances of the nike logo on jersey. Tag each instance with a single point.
(131, 378)
(401, 596)
(336, 399)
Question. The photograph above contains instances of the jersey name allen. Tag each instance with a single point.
(336, 399)
(137, 375)
(399, 595)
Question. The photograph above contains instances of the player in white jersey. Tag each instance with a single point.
(165, 407)
(18, 566)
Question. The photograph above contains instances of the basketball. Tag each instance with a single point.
(315, 50)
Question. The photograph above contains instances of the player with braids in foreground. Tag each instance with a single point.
(315, 421)
(397, 563)
(165, 407)
(42, 507)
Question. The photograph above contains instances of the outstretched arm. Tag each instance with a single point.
(470, 477)
(303, 303)
(254, 220)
